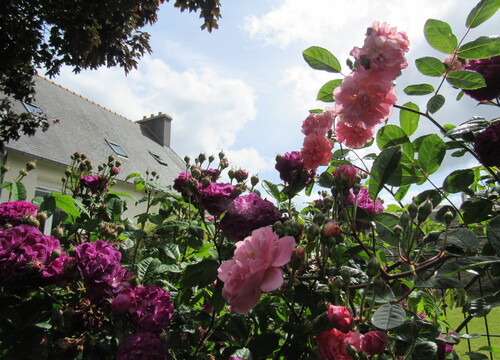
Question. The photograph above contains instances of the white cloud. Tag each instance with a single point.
(208, 109)
(249, 159)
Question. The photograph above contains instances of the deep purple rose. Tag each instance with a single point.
(59, 269)
(13, 211)
(247, 213)
(99, 266)
(490, 70)
(25, 252)
(487, 145)
(217, 196)
(153, 308)
(140, 346)
(292, 170)
(97, 184)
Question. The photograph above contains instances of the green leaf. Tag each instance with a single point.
(393, 135)
(382, 169)
(430, 66)
(431, 153)
(264, 344)
(482, 12)
(461, 264)
(465, 79)
(401, 193)
(18, 191)
(389, 316)
(439, 35)
(200, 274)
(476, 356)
(123, 195)
(482, 306)
(272, 189)
(433, 195)
(114, 208)
(482, 48)
(493, 232)
(321, 59)
(66, 203)
(130, 176)
(463, 238)
(408, 120)
(405, 174)
(458, 181)
(419, 89)
(146, 269)
(435, 103)
(171, 251)
(325, 94)
(476, 210)
(424, 350)
(440, 282)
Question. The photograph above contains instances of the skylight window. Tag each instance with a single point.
(33, 109)
(117, 149)
(158, 158)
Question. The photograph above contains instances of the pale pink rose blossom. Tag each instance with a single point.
(383, 51)
(318, 123)
(364, 99)
(353, 136)
(316, 151)
(255, 268)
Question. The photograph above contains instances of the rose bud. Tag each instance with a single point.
(340, 318)
(374, 342)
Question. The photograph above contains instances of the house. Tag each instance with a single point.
(86, 127)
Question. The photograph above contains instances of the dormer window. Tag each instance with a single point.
(35, 110)
(159, 158)
(117, 149)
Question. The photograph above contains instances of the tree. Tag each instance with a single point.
(84, 34)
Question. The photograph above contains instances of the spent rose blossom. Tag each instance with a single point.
(26, 253)
(97, 184)
(332, 344)
(490, 70)
(217, 196)
(353, 136)
(316, 151)
(340, 318)
(374, 342)
(247, 213)
(364, 99)
(153, 309)
(364, 201)
(99, 266)
(383, 51)
(487, 145)
(255, 268)
(12, 212)
(318, 123)
(140, 346)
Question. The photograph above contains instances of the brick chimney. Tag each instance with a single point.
(159, 127)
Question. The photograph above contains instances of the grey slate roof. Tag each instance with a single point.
(85, 126)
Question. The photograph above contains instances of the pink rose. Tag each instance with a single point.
(316, 151)
(340, 318)
(364, 99)
(332, 344)
(255, 268)
(374, 342)
(318, 124)
(353, 136)
(364, 201)
(345, 175)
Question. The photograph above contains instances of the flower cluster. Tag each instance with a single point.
(99, 265)
(12, 212)
(336, 345)
(247, 213)
(316, 149)
(366, 96)
(25, 253)
(255, 268)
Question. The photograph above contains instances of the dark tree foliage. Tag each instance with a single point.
(83, 34)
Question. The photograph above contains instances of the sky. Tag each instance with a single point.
(245, 88)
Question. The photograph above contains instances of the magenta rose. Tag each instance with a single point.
(12, 212)
(99, 265)
(97, 184)
(247, 213)
(487, 145)
(255, 268)
(140, 346)
(125, 302)
(151, 308)
(211, 174)
(490, 70)
(374, 342)
(364, 201)
(25, 252)
(216, 197)
(340, 318)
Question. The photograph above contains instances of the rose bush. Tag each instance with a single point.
(217, 269)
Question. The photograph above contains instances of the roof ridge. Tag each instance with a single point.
(84, 98)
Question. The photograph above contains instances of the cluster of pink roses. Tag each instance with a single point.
(366, 96)
(255, 268)
(335, 344)
(317, 148)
